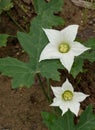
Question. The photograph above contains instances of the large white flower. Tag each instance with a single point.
(65, 98)
(62, 46)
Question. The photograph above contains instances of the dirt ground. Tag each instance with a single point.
(20, 109)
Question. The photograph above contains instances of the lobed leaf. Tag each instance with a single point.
(59, 123)
(33, 43)
(21, 72)
(88, 55)
(45, 15)
(87, 120)
(66, 122)
(49, 7)
(47, 68)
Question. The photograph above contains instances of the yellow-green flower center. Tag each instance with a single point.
(67, 95)
(63, 47)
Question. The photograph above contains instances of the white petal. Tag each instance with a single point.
(49, 52)
(79, 97)
(53, 35)
(67, 60)
(74, 107)
(64, 108)
(57, 91)
(56, 102)
(69, 33)
(78, 48)
(67, 86)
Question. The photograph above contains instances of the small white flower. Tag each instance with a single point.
(65, 98)
(62, 46)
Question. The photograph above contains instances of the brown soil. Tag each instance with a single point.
(21, 109)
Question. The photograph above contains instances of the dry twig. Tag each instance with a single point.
(84, 3)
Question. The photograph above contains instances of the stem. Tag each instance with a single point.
(16, 23)
(22, 8)
(49, 89)
(43, 88)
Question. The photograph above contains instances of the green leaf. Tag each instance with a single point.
(49, 119)
(53, 122)
(47, 68)
(77, 66)
(3, 39)
(90, 43)
(66, 122)
(5, 5)
(87, 120)
(20, 72)
(88, 55)
(33, 43)
(45, 15)
(51, 6)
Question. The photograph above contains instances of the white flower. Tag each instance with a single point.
(62, 46)
(65, 98)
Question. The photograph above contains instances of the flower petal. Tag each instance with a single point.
(56, 102)
(79, 97)
(77, 48)
(57, 91)
(49, 52)
(69, 33)
(53, 36)
(64, 108)
(74, 107)
(67, 86)
(67, 60)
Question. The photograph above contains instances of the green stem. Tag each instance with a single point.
(49, 89)
(42, 86)
(16, 23)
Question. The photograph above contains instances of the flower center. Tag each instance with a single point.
(64, 47)
(67, 95)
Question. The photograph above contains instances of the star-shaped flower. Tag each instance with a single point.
(65, 98)
(62, 46)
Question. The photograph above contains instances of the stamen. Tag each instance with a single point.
(67, 95)
(64, 47)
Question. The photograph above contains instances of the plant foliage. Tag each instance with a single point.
(88, 55)
(33, 43)
(3, 39)
(66, 122)
(5, 5)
